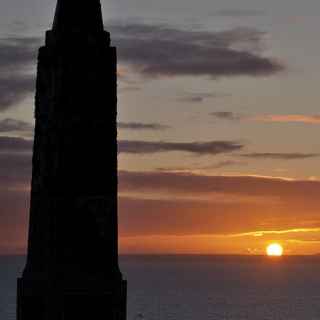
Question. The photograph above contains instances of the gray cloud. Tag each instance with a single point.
(16, 155)
(201, 148)
(280, 156)
(152, 50)
(12, 125)
(226, 163)
(155, 50)
(142, 126)
(226, 115)
(14, 88)
(17, 53)
(17, 57)
(201, 97)
(13, 145)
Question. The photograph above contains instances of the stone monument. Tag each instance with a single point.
(72, 270)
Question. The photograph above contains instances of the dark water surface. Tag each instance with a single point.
(204, 288)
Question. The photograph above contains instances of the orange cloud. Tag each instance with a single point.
(287, 118)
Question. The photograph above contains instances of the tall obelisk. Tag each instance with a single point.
(72, 267)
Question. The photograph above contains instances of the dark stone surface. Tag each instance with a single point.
(72, 266)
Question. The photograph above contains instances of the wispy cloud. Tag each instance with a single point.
(9, 125)
(152, 50)
(11, 144)
(157, 50)
(201, 97)
(187, 183)
(287, 118)
(277, 118)
(224, 164)
(261, 233)
(226, 115)
(193, 168)
(280, 156)
(200, 148)
(142, 126)
(17, 57)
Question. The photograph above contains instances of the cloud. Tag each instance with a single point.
(14, 145)
(11, 144)
(142, 126)
(173, 217)
(179, 203)
(195, 183)
(281, 156)
(17, 81)
(226, 115)
(200, 148)
(250, 190)
(15, 126)
(189, 204)
(226, 163)
(218, 165)
(16, 155)
(201, 97)
(277, 118)
(261, 233)
(288, 118)
(155, 50)
(18, 53)
(152, 50)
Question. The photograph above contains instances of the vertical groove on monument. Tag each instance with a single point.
(72, 265)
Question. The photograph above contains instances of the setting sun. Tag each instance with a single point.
(274, 249)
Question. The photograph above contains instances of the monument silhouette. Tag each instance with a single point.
(72, 267)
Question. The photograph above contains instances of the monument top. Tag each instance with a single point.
(78, 16)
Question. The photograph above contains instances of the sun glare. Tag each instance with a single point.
(274, 249)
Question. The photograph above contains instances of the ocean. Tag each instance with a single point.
(204, 287)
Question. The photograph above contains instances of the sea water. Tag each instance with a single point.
(204, 287)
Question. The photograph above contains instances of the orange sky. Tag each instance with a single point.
(218, 123)
(186, 213)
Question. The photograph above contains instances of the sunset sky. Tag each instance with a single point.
(218, 123)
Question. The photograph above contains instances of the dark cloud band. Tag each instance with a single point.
(156, 50)
(15, 145)
(152, 50)
(17, 81)
(12, 126)
(281, 156)
(201, 148)
(142, 126)
(186, 183)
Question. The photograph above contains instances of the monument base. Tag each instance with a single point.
(37, 300)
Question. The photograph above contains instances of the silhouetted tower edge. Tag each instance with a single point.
(72, 267)
(73, 15)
